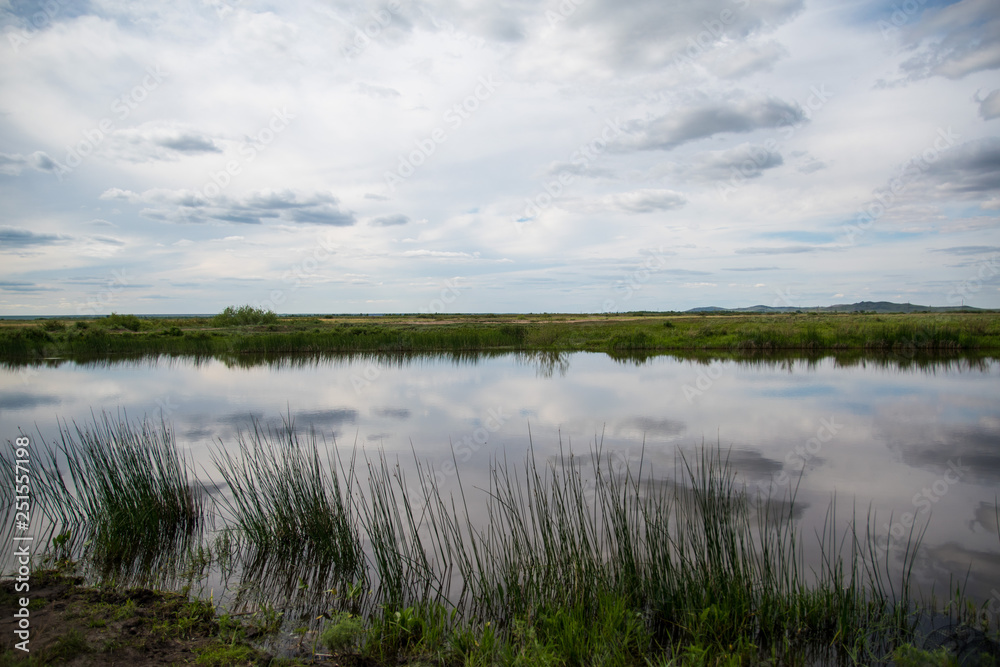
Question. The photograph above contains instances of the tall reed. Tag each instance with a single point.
(696, 555)
(692, 557)
(286, 503)
(125, 484)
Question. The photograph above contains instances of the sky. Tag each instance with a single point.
(384, 156)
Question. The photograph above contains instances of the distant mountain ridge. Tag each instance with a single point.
(861, 306)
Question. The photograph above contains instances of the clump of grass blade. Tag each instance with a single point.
(125, 484)
(285, 501)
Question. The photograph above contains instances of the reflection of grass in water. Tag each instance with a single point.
(572, 560)
(126, 484)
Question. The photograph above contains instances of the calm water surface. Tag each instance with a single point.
(919, 443)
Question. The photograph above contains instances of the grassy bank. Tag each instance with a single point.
(615, 334)
(572, 563)
(83, 625)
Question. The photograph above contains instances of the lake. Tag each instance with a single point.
(916, 443)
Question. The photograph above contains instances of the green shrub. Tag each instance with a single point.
(243, 316)
(116, 321)
(342, 632)
(908, 655)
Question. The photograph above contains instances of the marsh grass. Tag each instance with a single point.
(376, 338)
(125, 485)
(558, 560)
(286, 503)
(700, 560)
(245, 331)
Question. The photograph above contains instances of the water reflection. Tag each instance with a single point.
(898, 421)
(546, 362)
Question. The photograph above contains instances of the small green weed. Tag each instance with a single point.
(342, 632)
(911, 656)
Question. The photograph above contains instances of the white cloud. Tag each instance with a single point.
(644, 201)
(726, 151)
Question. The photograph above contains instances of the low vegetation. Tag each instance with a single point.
(127, 482)
(573, 564)
(243, 316)
(247, 331)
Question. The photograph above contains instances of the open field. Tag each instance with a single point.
(576, 564)
(743, 333)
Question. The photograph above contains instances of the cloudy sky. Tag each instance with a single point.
(522, 155)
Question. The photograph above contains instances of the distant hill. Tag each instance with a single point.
(860, 307)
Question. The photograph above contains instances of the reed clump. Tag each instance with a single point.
(124, 484)
(285, 502)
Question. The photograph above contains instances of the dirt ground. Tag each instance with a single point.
(73, 624)
(84, 626)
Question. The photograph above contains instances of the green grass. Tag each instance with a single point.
(244, 332)
(283, 500)
(342, 633)
(123, 485)
(67, 647)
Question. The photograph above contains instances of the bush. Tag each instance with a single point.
(116, 321)
(244, 315)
